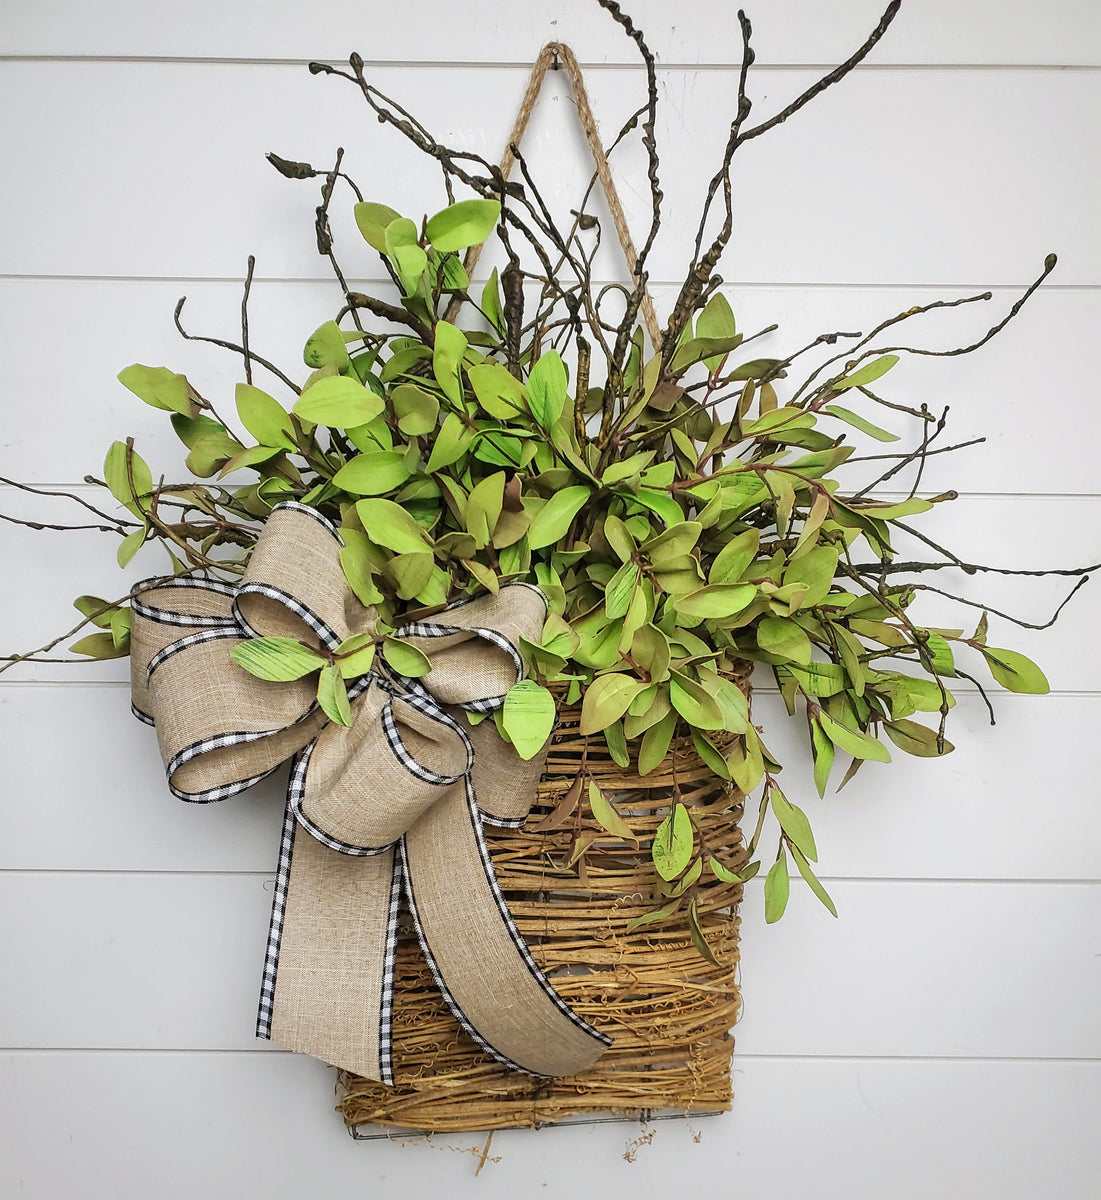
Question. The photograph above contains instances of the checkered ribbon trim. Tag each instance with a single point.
(365, 793)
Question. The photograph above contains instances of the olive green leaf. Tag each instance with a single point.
(793, 821)
(859, 422)
(264, 417)
(373, 474)
(447, 359)
(332, 695)
(659, 914)
(916, 739)
(823, 752)
(388, 524)
(777, 887)
(694, 702)
(405, 659)
(528, 715)
(812, 879)
(547, 387)
(866, 374)
(735, 557)
(717, 600)
(727, 876)
(325, 347)
(372, 221)
(130, 545)
(607, 699)
(605, 814)
(279, 659)
(498, 391)
(467, 223)
(785, 639)
(696, 349)
(491, 302)
(416, 410)
(710, 754)
(483, 508)
(160, 388)
(550, 523)
(858, 744)
(100, 646)
(128, 477)
(1015, 672)
(655, 743)
(339, 402)
(96, 610)
(673, 843)
(357, 564)
(696, 933)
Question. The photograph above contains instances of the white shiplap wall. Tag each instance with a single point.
(942, 1037)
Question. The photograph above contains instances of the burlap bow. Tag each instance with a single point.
(398, 797)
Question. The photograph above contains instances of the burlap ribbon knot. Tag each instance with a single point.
(396, 800)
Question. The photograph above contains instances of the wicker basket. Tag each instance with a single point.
(668, 1009)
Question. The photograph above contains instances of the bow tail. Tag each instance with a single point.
(477, 956)
(329, 972)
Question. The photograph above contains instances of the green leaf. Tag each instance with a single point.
(405, 659)
(528, 715)
(325, 347)
(483, 507)
(696, 349)
(777, 887)
(373, 474)
(89, 605)
(655, 743)
(356, 662)
(416, 410)
(412, 574)
(332, 695)
(1015, 672)
(491, 302)
(866, 374)
(467, 223)
(550, 523)
(447, 359)
(710, 755)
(100, 646)
(717, 600)
(727, 876)
(339, 402)
(278, 659)
(372, 221)
(128, 477)
(547, 387)
(388, 524)
(120, 628)
(605, 815)
(607, 698)
(823, 751)
(694, 702)
(916, 739)
(264, 417)
(854, 742)
(129, 546)
(793, 821)
(659, 914)
(409, 259)
(675, 542)
(696, 933)
(859, 422)
(452, 442)
(210, 452)
(735, 557)
(356, 563)
(159, 387)
(498, 391)
(673, 843)
(812, 879)
(785, 639)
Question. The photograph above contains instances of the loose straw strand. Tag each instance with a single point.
(555, 52)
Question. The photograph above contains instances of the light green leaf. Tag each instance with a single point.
(916, 739)
(405, 659)
(859, 422)
(412, 575)
(735, 557)
(499, 392)
(694, 702)
(777, 887)
(339, 402)
(373, 474)
(866, 374)
(655, 743)
(727, 876)
(264, 417)
(605, 815)
(659, 914)
(332, 695)
(447, 358)
(128, 478)
(416, 410)
(823, 751)
(547, 387)
(852, 741)
(278, 659)
(326, 347)
(673, 843)
(129, 546)
(159, 387)
(785, 639)
(491, 302)
(467, 223)
(717, 600)
(710, 755)
(528, 715)
(607, 698)
(388, 524)
(793, 821)
(96, 610)
(100, 646)
(550, 523)
(1015, 672)
(812, 879)
(358, 661)
(372, 221)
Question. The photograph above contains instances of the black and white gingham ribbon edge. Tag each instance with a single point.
(275, 926)
(431, 629)
(191, 639)
(386, 1006)
(518, 583)
(408, 761)
(143, 717)
(307, 511)
(165, 616)
(296, 793)
(221, 741)
(500, 822)
(323, 630)
(438, 978)
(517, 939)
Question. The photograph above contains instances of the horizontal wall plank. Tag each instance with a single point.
(864, 1130)
(1024, 531)
(992, 393)
(119, 187)
(88, 793)
(173, 962)
(786, 31)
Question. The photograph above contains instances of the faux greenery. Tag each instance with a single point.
(683, 507)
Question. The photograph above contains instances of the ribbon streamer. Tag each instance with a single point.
(394, 803)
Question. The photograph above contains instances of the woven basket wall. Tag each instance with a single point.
(668, 1009)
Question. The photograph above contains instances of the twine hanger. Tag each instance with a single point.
(557, 55)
